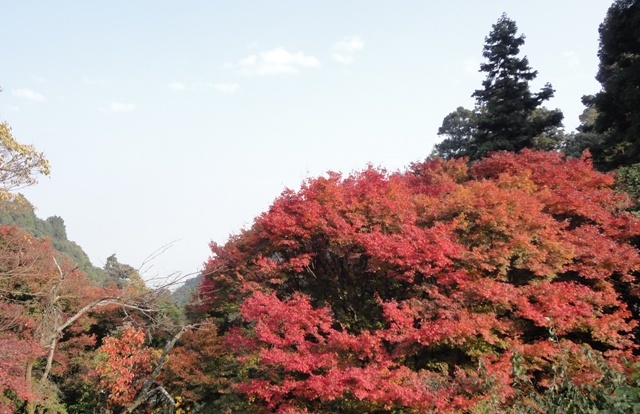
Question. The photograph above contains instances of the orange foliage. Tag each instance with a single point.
(125, 362)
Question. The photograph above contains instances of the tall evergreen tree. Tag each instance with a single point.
(508, 119)
(618, 103)
(507, 115)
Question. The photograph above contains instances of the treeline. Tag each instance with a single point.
(499, 275)
(509, 117)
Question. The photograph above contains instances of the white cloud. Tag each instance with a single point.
(229, 87)
(344, 50)
(13, 108)
(275, 62)
(121, 107)
(39, 79)
(28, 94)
(177, 86)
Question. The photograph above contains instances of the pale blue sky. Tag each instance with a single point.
(167, 120)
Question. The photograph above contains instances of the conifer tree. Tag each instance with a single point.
(618, 103)
(508, 116)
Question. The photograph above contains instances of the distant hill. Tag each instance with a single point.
(20, 212)
(183, 294)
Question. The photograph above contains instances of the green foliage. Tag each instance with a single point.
(617, 103)
(585, 137)
(459, 128)
(612, 392)
(628, 180)
(507, 115)
(574, 144)
(19, 164)
(508, 119)
(81, 397)
(52, 403)
(168, 309)
(184, 293)
(122, 274)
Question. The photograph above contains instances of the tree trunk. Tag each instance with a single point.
(31, 404)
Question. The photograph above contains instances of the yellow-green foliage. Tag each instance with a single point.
(19, 163)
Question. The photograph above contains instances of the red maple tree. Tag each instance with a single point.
(49, 313)
(435, 289)
(125, 362)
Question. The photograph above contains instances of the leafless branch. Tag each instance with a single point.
(146, 263)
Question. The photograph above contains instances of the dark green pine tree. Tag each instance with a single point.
(510, 117)
(507, 115)
(618, 103)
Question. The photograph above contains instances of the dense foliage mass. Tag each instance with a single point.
(437, 289)
(39, 291)
(67, 345)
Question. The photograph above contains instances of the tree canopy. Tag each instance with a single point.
(19, 164)
(618, 117)
(507, 115)
(438, 289)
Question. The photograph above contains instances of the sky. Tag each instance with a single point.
(176, 123)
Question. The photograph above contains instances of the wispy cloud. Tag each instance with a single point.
(28, 94)
(229, 87)
(178, 86)
(277, 61)
(345, 49)
(121, 107)
(39, 79)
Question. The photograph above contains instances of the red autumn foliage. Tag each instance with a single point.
(196, 369)
(125, 363)
(419, 290)
(39, 290)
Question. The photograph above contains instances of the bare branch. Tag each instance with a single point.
(52, 350)
(100, 302)
(145, 266)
